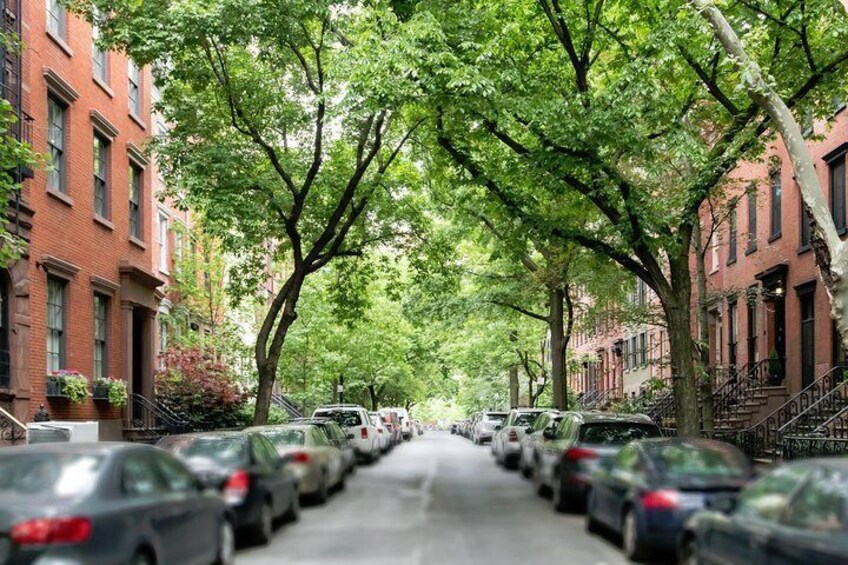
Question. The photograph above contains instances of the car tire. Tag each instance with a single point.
(323, 492)
(264, 530)
(527, 472)
(634, 548)
(142, 558)
(541, 488)
(689, 552)
(560, 500)
(342, 484)
(292, 514)
(226, 544)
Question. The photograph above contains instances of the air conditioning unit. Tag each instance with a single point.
(63, 432)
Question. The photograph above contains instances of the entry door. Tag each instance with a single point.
(808, 355)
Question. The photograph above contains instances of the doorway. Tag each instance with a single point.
(808, 340)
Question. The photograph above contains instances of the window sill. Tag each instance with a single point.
(751, 250)
(138, 120)
(803, 249)
(775, 237)
(104, 222)
(164, 272)
(61, 197)
(713, 271)
(731, 261)
(104, 87)
(61, 43)
(138, 243)
(842, 231)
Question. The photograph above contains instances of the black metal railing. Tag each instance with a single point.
(587, 399)
(820, 415)
(154, 418)
(799, 447)
(734, 395)
(11, 429)
(762, 439)
(661, 410)
(284, 402)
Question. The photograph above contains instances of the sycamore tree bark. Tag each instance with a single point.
(706, 385)
(830, 251)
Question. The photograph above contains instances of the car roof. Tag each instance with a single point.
(272, 427)
(593, 417)
(836, 463)
(490, 412)
(315, 421)
(215, 435)
(98, 448)
(531, 410)
(657, 443)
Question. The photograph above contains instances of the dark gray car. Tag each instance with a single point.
(107, 503)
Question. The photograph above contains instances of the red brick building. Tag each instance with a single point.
(765, 296)
(86, 295)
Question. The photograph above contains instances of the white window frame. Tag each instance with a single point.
(162, 229)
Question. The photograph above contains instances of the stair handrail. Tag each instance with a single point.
(761, 438)
(8, 425)
(587, 399)
(156, 416)
(835, 427)
(827, 400)
(662, 407)
(282, 400)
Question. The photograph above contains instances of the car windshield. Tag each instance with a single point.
(616, 433)
(494, 417)
(526, 419)
(686, 459)
(55, 475)
(346, 418)
(283, 437)
(225, 450)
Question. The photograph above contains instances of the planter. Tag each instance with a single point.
(55, 389)
(100, 393)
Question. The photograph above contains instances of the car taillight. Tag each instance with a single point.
(364, 432)
(513, 435)
(47, 531)
(379, 430)
(235, 491)
(576, 454)
(301, 457)
(661, 500)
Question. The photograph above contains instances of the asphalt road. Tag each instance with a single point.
(438, 500)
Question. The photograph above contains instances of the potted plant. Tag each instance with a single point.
(112, 390)
(775, 369)
(69, 384)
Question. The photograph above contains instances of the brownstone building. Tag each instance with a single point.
(86, 294)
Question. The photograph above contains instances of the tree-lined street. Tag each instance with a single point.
(437, 500)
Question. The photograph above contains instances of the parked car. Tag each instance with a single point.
(405, 421)
(651, 487)
(383, 436)
(106, 503)
(454, 427)
(484, 426)
(338, 439)
(797, 513)
(578, 446)
(531, 442)
(392, 422)
(506, 442)
(244, 466)
(360, 431)
(318, 465)
(419, 427)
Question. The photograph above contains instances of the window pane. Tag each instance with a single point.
(55, 325)
(56, 143)
(776, 205)
(837, 192)
(820, 505)
(768, 498)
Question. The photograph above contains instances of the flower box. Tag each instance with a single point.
(69, 384)
(55, 388)
(112, 390)
(101, 393)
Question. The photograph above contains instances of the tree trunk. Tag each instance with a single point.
(830, 252)
(556, 327)
(267, 374)
(706, 384)
(372, 392)
(569, 330)
(513, 386)
(335, 393)
(682, 348)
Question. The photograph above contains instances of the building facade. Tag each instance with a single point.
(86, 294)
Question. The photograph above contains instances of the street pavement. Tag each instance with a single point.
(438, 500)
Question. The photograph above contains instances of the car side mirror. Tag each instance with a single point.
(529, 430)
(549, 433)
(498, 428)
(350, 436)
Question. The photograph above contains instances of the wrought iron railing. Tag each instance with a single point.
(155, 418)
(12, 430)
(587, 399)
(761, 440)
(661, 410)
(285, 403)
(820, 414)
(799, 447)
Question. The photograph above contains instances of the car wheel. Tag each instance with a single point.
(560, 499)
(293, 513)
(541, 488)
(526, 471)
(340, 486)
(593, 526)
(634, 547)
(142, 558)
(323, 492)
(264, 530)
(689, 553)
(226, 544)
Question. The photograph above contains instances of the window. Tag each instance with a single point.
(752, 219)
(56, 142)
(731, 240)
(837, 192)
(178, 245)
(713, 253)
(99, 57)
(56, 290)
(56, 18)
(776, 206)
(753, 350)
(768, 498)
(820, 506)
(139, 477)
(134, 89)
(634, 352)
(101, 329)
(135, 202)
(163, 242)
(177, 477)
(805, 227)
(101, 163)
(643, 349)
(626, 354)
(732, 316)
